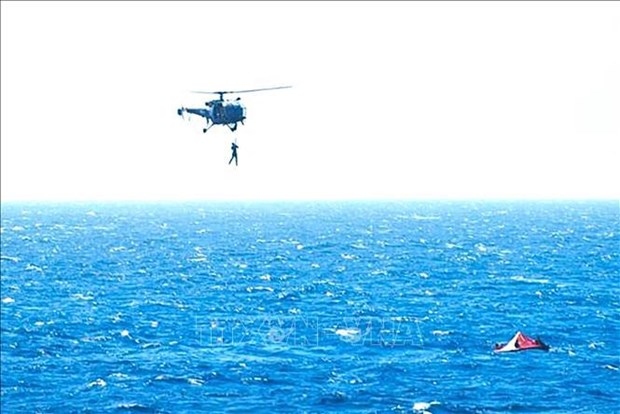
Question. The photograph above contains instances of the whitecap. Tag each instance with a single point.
(97, 383)
(133, 407)
(8, 300)
(195, 381)
(420, 217)
(10, 258)
(349, 334)
(34, 268)
(151, 345)
(260, 379)
(251, 289)
(83, 297)
(481, 247)
(347, 331)
(423, 407)
(399, 318)
(519, 278)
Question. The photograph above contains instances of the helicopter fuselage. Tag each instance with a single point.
(219, 112)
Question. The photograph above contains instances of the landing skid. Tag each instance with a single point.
(233, 127)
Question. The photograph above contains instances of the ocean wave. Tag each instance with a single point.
(424, 407)
(519, 278)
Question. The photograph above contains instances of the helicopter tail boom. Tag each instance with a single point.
(196, 111)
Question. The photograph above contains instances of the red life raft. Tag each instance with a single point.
(521, 342)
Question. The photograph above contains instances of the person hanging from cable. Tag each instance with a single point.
(234, 147)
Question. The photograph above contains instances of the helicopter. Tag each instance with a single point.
(222, 111)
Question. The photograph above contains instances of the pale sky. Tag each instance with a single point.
(395, 100)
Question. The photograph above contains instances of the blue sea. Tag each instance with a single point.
(298, 307)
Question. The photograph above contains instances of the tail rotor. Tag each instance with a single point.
(182, 113)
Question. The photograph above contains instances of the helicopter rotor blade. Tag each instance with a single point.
(262, 89)
(214, 92)
(221, 93)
